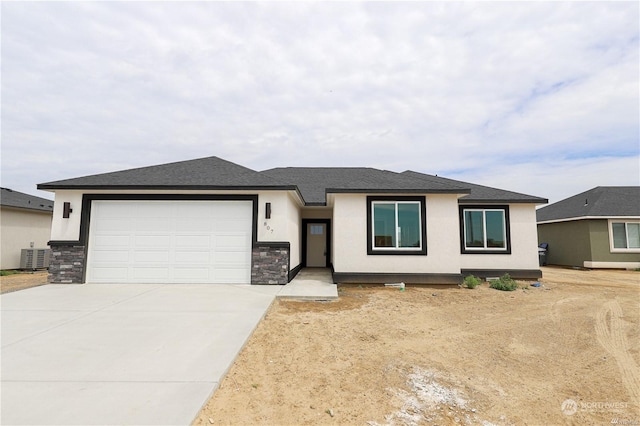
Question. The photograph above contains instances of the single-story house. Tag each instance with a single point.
(599, 228)
(212, 221)
(25, 223)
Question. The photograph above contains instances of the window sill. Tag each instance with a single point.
(485, 252)
(422, 252)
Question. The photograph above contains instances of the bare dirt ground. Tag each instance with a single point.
(22, 280)
(381, 356)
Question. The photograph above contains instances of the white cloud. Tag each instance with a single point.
(468, 90)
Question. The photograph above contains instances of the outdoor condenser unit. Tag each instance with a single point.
(34, 258)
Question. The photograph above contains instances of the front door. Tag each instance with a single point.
(316, 245)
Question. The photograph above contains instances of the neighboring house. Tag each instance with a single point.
(599, 228)
(213, 221)
(25, 222)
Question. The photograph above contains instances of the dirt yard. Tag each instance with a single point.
(21, 281)
(564, 353)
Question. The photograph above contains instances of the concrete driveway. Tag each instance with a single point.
(121, 353)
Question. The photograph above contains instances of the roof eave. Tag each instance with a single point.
(394, 191)
(170, 187)
(535, 201)
(31, 209)
(591, 217)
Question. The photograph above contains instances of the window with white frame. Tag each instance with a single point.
(396, 226)
(484, 229)
(624, 236)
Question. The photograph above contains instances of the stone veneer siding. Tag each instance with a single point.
(270, 265)
(66, 265)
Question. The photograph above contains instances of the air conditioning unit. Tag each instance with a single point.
(34, 258)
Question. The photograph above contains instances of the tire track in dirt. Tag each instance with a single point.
(611, 335)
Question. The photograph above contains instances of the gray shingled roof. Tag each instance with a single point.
(11, 198)
(603, 201)
(203, 173)
(480, 193)
(315, 182)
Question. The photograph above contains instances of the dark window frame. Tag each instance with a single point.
(397, 251)
(507, 228)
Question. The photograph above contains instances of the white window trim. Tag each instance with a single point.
(621, 250)
(373, 226)
(484, 230)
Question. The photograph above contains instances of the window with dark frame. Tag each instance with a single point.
(396, 225)
(484, 229)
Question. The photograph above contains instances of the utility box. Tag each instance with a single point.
(33, 258)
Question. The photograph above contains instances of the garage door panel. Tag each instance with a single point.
(230, 258)
(154, 210)
(193, 256)
(154, 256)
(115, 224)
(228, 276)
(232, 241)
(200, 241)
(193, 273)
(170, 241)
(152, 241)
(110, 256)
(114, 209)
(151, 224)
(194, 225)
(112, 241)
(159, 274)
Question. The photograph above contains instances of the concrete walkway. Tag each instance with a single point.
(122, 354)
(311, 284)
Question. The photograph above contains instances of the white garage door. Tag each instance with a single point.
(170, 242)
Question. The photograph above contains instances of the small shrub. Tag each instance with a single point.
(6, 272)
(504, 283)
(471, 281)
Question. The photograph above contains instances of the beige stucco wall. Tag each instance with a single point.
(524, 244)
(20, 228)
(284, 224)
(350, 242)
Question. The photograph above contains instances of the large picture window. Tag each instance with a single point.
(396, 225)
(625, 236)
(484, 229)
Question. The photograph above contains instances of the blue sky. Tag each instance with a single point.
(540, 98)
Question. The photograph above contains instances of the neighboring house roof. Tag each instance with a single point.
(203, 173)
(20, 200)
(480, 193)
(312, 183)
(601, 201)
(315, 182)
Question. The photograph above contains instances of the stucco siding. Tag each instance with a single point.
(524, 244)
(20, 228)
(600, 245)
(293, 231)
(569, 242)
(350, 239)
(572, 243)
(66, 229)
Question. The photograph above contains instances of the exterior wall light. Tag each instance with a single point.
(66, 209)
(267, 211)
